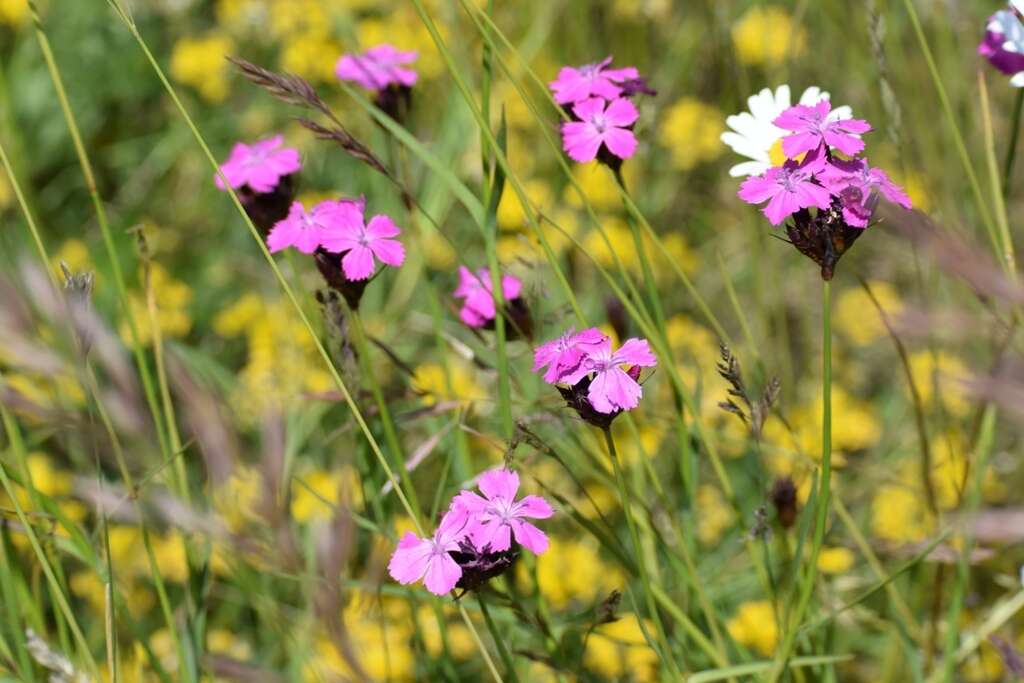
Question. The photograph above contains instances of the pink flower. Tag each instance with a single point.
(497, 517)
(812, 127)
(858, 185)
(428, 559)
(260, 165)
(360, 241)
(304, 230)
(600, 124)
(564, 356)
(788, 188)
(476, 288)
(1004, 29)
(577, 84)
(612, 388)
(378, 68)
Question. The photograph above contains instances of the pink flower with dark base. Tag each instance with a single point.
(858, 186)
(428, 559)
(303, 229)
(378, 68)
(788, 188)
(564, 356)
(600, 124)
(497, 518)
(575, 84)
(260, 165)
(476, 288)
(360, 242)
(612, 388)
(811, 128)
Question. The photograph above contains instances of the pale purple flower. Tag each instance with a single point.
(565, 356)
(612, 388)
(1003, 45)
(478, 291)
(260, 165)
(858, 186)
(428, 559)
(575, 84)
(811, 128)
(378, 67)
(303, 229)
(497, 517)
(360, 241)
(788, 188)
(600, 123)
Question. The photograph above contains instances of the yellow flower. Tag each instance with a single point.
(311, 55)
(754, 627)
(617, 240)
(201, 64)
(512, 215)
(237, 318)
(242, 15)
(937, 376)
(171, 298)
(620, 648)
(75, 254)
(223, 642)
(458, 384)
(169, 553)
(835, 560)
(298, 17)
(898, 514)
(525, 246)
(691, 130)
(460, 641)
(316, 496)
(857, 317)
(236, 499)
(766, 35)
(714, 515)
(45, 478)
(13, 12)
(380, 645)
(572, 570)
(598, 185)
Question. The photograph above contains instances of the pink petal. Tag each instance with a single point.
(358, 263)
(626, 72)
(409, 561)
(782, 205)
(636, 352)
(511, 287)
(535, 507)
(495, 534)
(621, 113)
(847, 144)
(442, 574)
(613, 389)
(530, 537)
(545, 354)
(390, 252)
(588, 108)
(470, 502)
(798, 143)
(499, 484)
(472, 317)
(620, 142)
(381, 226)
(755, 190)
(580, 141)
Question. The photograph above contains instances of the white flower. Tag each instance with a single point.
(1018, 5)
(1008, 25)
(755, 135)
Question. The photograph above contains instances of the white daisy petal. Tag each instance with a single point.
(749, 168)
(782, 98)
(1018, 80)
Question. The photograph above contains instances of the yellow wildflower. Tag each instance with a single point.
(13, 12)
(298, 17)
(714, 515)
(316, 496)
(435, 385)
(598, 186)
(620, 648)
(223, 642)
(311, 55)
(171, 298)
(236, 500)
(754, 627)
(512, 215)
(898, 514)
(75, 254)
(573, 570)
(767, 35)
(617, 240)
(46, 479)
(835, 560)
(937, 376)
(857, 317)
(201, 64)
(460, 641)
(169, 553)
(691, 130)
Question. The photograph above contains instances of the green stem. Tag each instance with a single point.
(499, 642)
(663, 650)
(824, 486)
(1011, 151)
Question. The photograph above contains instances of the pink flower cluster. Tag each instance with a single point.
(477, 290)
(586, 357)
(813, 176)
(595, 96)
(340, 227)
(378, 68)
(477, 528)
(259, 166)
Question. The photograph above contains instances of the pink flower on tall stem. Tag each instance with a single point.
(260, 165)
(478, 291)
(1003, 45)
(303, 229)
(360, 241)
(428, 559)
(612, 388)
(858, 186)
(811, 128)
(788, 188)
(564, 356)
(600, 124)
(378, 68)
(497, 517)
(575, 84)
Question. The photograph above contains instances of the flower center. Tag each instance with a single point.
(775, 154)
(600, 122)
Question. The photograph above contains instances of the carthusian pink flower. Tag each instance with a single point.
(303, 229)
(564, 357)
(575, 84)
(497, 517)
(478, 309)
(788, 188)
(360, 241)
(811, 128)
(612, 389)
(429, 559)
(600, 123)
(260, 166)
(1003, 45)
(858, 186)
(378, 68)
